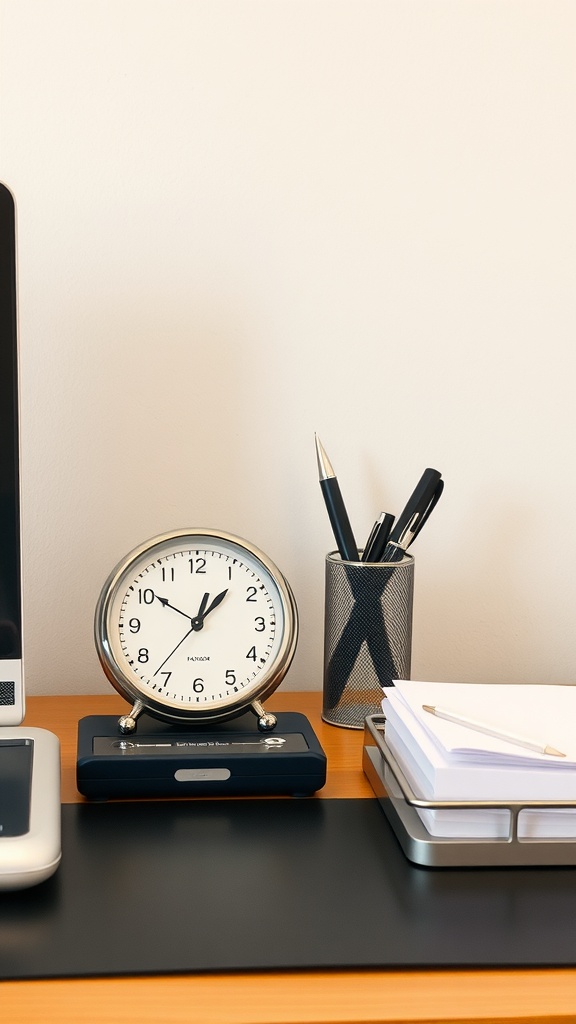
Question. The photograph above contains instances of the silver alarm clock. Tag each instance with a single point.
(196, 626)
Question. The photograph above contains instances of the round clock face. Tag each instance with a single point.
(196, 624)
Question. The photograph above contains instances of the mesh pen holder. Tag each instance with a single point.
(367, 635)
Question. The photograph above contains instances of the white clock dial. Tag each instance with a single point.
(196, 624)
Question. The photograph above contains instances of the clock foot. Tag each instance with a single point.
(127, 723)
(266, 720)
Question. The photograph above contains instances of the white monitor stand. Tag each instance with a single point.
(29, 758)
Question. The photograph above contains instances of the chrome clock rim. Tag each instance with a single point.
(128, 687)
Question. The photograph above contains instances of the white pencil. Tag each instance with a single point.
(489, 730)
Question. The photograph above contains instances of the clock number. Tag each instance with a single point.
(260, 624)
(134, 625)
(167, 674)
(143, 655)
(251, 591)
(252, 654)
(198, 685)
(197, 565)
(146, 596)
(168, 574)
(230, 677)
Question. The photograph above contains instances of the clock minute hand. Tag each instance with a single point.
(216, 602)
(198, 622)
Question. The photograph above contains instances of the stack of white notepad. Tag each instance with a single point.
(443, 760)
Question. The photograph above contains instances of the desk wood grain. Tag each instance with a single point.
(291, 997)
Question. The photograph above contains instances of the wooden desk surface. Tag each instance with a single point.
(291, 997)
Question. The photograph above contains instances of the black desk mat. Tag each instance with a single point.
(154, 887)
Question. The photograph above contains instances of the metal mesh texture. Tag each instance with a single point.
(367, 636)
(7, 692)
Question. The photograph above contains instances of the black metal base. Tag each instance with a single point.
(230, 759)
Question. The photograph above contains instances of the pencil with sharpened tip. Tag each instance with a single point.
(335, 506)
(490, 730)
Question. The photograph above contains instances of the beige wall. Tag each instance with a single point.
(243, 221)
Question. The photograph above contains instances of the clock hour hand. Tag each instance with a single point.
(198, 622)
(201, 611)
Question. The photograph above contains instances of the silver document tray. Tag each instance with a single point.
(399, 803)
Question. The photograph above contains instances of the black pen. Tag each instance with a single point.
(410, 522)
(376, 543)
(335, 506)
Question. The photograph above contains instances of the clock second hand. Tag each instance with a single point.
(196, 623)
(191, 630)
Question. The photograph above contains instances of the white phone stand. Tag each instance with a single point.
(30, 847)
